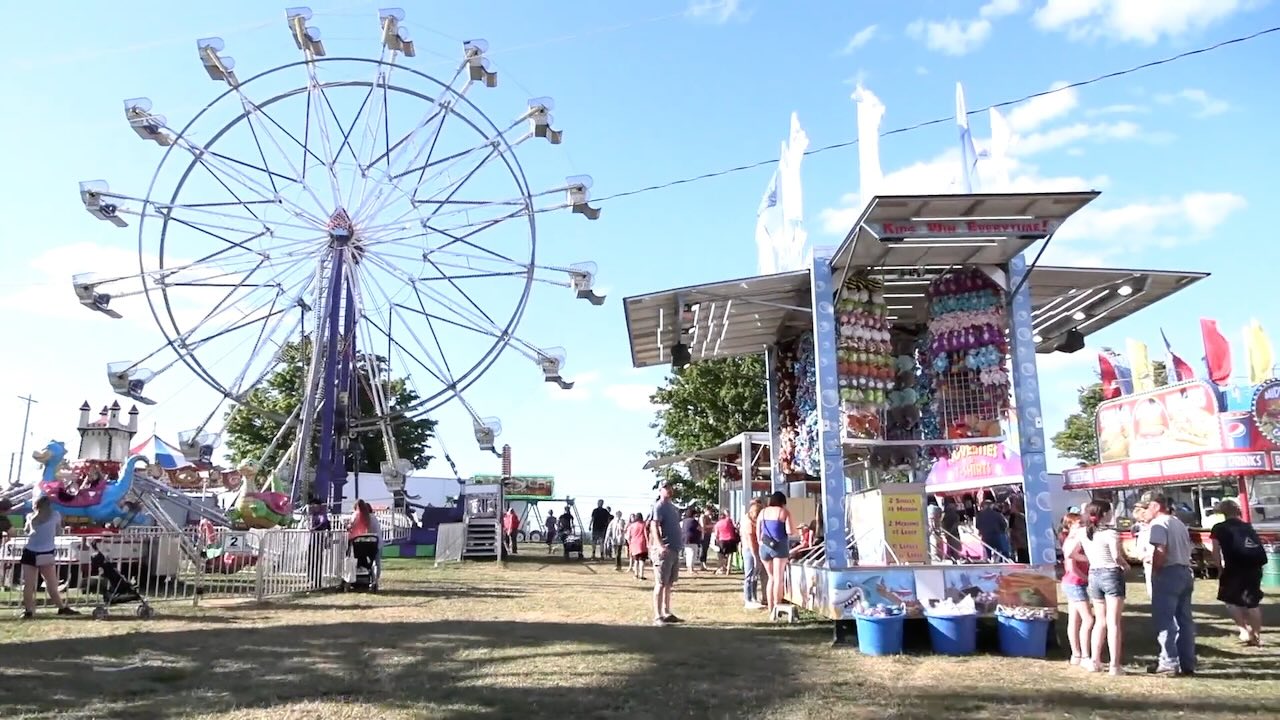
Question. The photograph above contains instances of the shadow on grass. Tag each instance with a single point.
(484, 669)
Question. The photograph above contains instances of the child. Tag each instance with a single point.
(637, 545)
(1075, 587)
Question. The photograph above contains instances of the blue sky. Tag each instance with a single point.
(652, 93)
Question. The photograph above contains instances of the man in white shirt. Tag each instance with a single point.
(1171, 586)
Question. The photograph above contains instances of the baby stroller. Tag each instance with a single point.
(572, 544)
(114, 587)
(362, 570)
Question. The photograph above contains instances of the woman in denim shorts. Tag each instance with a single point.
(1107, 567)
(1075, 587)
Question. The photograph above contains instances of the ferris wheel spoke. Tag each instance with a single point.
(265, 169)
(482, 320)
(412, 356)
(212, 165)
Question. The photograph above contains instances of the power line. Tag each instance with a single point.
(941, 120)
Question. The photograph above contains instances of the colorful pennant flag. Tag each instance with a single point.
(1217, 352)
(1178, 370)
(1259, 353)
(1116, 378)
(1144, 375)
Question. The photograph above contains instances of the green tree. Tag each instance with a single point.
(249, 433)
(701, 406)
(1078, 439)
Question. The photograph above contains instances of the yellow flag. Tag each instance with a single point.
(1144, 377)
(1258, 349)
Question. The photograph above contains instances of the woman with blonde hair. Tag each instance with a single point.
(751, 562)
(1075, 587)
(38, 557)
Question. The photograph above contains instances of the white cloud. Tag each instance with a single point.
(717, 11)
(950, 36)
(860, 38)
(1000, 8)
(1058, 137)
(1206, 105)
(922, 70)
(1057, 102)
(1156, 223)
(631, 396)
(1118, 109)
(1140, 21)
(584, 384)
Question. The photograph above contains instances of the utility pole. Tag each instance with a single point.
(22, 446)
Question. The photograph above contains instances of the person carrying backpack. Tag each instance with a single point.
(1241, 558)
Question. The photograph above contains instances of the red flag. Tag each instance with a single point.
(1107, 373)
(1178, 368)
(1217, 352)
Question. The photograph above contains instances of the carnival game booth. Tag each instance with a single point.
(886, 355)
(743, 456)
(1186, 439)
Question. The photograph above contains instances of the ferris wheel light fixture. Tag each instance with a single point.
(394, 37)
(552, 363)
(478, 67)
(88, 295)
(220, 67)
(129, 380)
(146, 124)
(305, 37)
(582, 278)
(95, 194)
(579, 195)
(540, 120)
(486, 431)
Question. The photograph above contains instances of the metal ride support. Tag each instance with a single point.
(330, 473)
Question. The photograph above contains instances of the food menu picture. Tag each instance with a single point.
(1266, 411)
(1174, 420)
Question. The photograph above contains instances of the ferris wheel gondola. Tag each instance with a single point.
(319, 214)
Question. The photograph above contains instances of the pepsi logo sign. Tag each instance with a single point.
(1236, 429)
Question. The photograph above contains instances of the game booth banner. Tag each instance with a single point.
(835, 593)
(522, 487)
(972, 467)
(1177, 433)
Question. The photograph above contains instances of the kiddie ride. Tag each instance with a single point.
(106, 499)
(886, 356)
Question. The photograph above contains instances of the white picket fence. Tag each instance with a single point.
(186, 566)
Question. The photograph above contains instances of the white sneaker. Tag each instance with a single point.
(1116, 670)
(1075, 659)
(752, 606)
(1087, 665)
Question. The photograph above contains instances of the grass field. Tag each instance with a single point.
(543, 639)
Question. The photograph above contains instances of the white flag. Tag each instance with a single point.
(765, 251)
(1001, 139)
(791, 244)
(870, 112)
(968, 154)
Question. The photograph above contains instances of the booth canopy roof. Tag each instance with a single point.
(743, 317)
(731, 446)
(1090, 299)
(913, 231)
(728, 319)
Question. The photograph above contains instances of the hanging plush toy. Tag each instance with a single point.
(863, 356)
(967, 355)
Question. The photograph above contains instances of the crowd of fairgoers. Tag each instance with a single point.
(1093, 581)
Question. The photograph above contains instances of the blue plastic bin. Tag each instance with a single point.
(880, 635)
(953, 634)
(1022, 638)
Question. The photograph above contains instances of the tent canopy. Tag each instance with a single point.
(161, 453)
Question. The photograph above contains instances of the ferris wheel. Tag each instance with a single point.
(364, 213)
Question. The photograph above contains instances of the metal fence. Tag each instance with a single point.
(187, 566)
